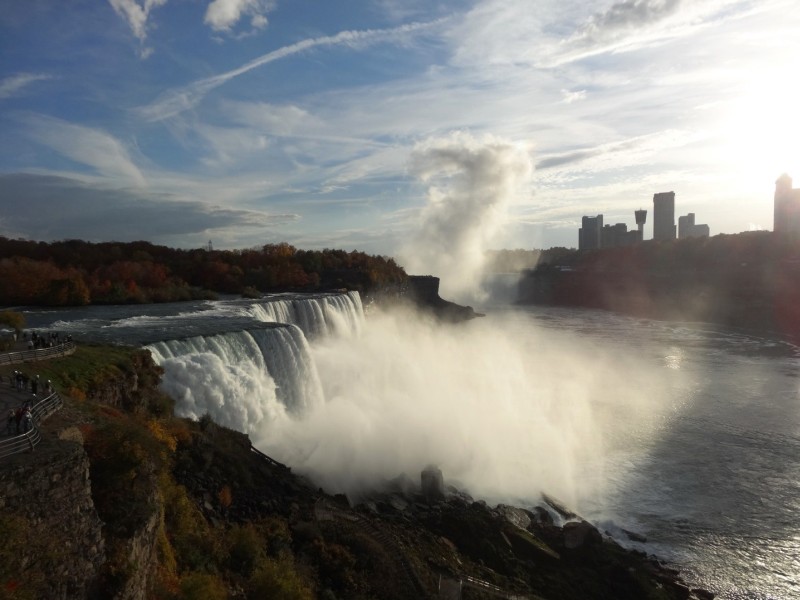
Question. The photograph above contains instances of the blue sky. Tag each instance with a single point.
(375, 125)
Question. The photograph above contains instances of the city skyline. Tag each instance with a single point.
(474, 125)
(594, 233)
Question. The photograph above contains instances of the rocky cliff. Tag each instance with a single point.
(422, 292)
(53, 536)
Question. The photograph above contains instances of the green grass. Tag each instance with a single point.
(88, 366)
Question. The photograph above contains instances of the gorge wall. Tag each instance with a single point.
(51, 523)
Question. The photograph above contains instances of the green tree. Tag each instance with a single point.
(13, 319)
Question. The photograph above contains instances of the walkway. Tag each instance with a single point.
(41, 404)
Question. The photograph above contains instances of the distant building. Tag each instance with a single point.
(787, 207)
(612, 235)
(664, 216)
(593, 234)
(641, 219)
(590, 233)
(687, 227)
(618, 235)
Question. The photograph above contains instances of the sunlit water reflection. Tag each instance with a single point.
(715, 486)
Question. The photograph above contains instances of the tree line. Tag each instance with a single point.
(749, 280)
(76, 272)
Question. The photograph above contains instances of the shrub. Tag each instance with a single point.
(246, 548)
(202, 586)
(277, 580)
(195, 545)
(124, 456)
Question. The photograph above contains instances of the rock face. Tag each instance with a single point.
(135, 389)
(432, 484)
(423, 290)
(49, 503)
(579, 535)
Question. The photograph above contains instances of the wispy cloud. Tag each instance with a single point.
(98, 212)
(625, 15)
(629, 25)
(570, 96)
(223, 15)
(11, 86)
(91, 147)
(174, 102)
(136, 16)
(625, 153)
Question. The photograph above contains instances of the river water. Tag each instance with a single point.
(714, 482)
(687, 434)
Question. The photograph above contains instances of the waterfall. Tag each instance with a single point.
(259, 374)
(241, 379)
(317, 316)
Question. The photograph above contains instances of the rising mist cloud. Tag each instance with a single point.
(471, 184)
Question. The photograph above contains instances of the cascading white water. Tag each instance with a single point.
(241, 379)
(249, 380)
(317, 316)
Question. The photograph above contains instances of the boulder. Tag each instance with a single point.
(579, 535)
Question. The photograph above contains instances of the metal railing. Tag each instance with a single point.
(12, 358)
(28, 440)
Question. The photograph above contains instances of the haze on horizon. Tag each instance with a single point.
(257, 121)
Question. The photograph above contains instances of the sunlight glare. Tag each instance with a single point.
(762, 126)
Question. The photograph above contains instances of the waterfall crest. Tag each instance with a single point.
(316, 316)
(259, 374)
(240, 378)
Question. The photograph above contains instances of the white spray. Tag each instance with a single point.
(472, 183)
(505, 409)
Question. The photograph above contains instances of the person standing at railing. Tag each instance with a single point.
(11, 422)
(27, 421)
(18, 419)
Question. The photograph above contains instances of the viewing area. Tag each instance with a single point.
(16, 436)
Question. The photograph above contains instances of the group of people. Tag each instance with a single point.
(19, 420)
(23, 383)
(45, 341)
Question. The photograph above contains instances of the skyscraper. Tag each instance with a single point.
(664, 216)
(590, 233)
(688, 228)
(787, 207)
